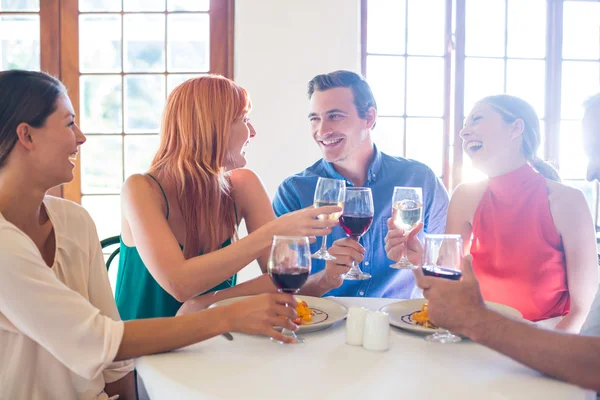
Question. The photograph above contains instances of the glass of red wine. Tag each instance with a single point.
(442, 258)
(356, 220)
(289, 267)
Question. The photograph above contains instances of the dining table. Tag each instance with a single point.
(325, 367)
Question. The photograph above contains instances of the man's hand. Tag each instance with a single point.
(345, 251)
(395, 240)
(453, 305)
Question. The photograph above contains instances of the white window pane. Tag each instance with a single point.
(470, 173)
(587, 188)
(426, 25)
(174, 80)
(572, 164)
(188, 42)
(20, 5)
(101, 165)
(527, 79)
(581, 30)
(541, 153)
(386, 78)
(188, 5)
(526, 28)
(579, 81)
(101, 108)
(484, 28)
(20, 42)
(144, 100)
(424, 142)
(389, 135)
(425, 87)
(144, 5)
(386, 26)
(483, 77)
(139, 152)
(99, 5)
(144, 42)
(106, 213)
(100, 43)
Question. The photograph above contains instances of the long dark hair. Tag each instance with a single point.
(25, 96)
(512, 108)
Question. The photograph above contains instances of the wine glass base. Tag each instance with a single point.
(323, 256)
(299, 340)
(404, 264)
(358, 276)
(444, 337)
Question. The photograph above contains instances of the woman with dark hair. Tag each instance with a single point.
(532, 238)
(60, 331)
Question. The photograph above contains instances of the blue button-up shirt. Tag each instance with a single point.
(385, 172)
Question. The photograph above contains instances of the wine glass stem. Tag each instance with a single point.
(324, 244)
(405, 250)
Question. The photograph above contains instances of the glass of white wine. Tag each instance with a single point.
(329, 192)
(407, 212)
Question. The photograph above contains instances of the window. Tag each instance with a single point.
(545, 51)
(119, 60)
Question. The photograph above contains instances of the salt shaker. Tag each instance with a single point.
(355, 324)
(377, 331)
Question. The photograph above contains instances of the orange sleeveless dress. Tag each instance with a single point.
(518, 255)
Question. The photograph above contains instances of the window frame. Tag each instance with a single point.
(454, 80)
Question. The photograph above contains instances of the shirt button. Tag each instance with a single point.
(361, 293)
(366, 263)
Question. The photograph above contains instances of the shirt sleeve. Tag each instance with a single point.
(436, 205)
(286, 199)
(101, 297)
(44, 309)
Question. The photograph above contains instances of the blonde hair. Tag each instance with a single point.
(192, 154)
(512, 108)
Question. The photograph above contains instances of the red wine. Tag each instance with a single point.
(355, 225)
(440, 272)
(289, 280)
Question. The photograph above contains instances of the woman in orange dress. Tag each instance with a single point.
(532, 238)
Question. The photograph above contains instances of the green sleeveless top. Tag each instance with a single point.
(138, 295)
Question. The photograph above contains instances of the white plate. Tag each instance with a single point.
(400, 313)
(326, 312)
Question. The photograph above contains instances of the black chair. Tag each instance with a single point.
(111, 241)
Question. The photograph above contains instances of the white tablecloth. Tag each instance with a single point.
(326, 368)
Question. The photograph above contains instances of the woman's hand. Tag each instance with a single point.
(395, 240)
(304, 222)
(257, 315)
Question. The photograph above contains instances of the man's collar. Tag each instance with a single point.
(372, 172)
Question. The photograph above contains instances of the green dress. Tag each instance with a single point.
(138, 295)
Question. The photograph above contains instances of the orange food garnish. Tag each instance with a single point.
(305, 314)
(422, 317)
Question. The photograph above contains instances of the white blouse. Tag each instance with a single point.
(59, 327)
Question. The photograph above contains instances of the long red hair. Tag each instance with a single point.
(192, 154)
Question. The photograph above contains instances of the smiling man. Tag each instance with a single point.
(341, 116)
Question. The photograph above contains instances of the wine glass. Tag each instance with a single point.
(442, 258)
(329, 192)
(289, 267)
(407, 212)
(356, 220)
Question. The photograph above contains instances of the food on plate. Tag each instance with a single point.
(305, 314)
(422, 317)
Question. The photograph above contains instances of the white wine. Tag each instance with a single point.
(333, 216)
(407, 214)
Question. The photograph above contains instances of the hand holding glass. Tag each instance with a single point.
(407, 212)
(442, 258)
(289, 266)
(329, 192)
